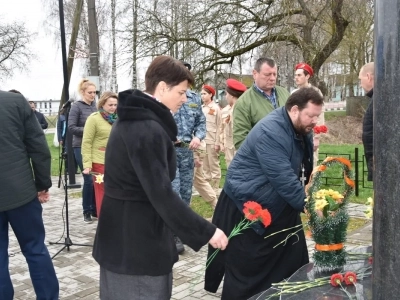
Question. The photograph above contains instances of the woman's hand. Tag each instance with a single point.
(86, 171)
(219, 240)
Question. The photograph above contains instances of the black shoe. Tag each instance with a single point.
(94, 215)
(179, 246)
(87, 218)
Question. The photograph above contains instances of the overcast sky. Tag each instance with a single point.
(44, 80)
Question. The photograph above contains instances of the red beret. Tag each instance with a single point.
(209, 88)
(235, 85)
(305, 67)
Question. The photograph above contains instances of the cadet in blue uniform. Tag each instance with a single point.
(191, 124)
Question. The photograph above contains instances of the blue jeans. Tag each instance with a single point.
(27, 224)
(88, 203)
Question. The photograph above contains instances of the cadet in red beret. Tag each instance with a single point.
(212, 170)
(303, 72)
(209, 89)
(234, 89)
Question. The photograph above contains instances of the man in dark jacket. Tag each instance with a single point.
(40, 117)
(366, 77)
(25, 162)
(266, 169)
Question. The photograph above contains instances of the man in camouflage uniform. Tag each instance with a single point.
(191, 124)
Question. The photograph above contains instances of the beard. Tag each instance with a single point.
(301, 128)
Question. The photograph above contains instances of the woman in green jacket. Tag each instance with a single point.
(95, 137)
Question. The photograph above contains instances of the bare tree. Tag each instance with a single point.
(14, 48)
(254, 24)
(114, 85)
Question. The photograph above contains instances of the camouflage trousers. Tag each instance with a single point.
(183, 182)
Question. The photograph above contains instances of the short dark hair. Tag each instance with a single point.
(167, 69)
(305, 72)
(264, 60)
(14, 91)
(302, 96)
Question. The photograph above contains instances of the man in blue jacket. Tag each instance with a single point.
(25, 162)
(267, 169)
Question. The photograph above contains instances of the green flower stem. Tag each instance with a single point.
(242, 225)
(300, 225)
(288, 237)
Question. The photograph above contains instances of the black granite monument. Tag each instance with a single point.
(386, 99)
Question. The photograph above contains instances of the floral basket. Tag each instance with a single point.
(328, 216)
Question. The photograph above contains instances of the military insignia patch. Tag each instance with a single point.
(193, 105)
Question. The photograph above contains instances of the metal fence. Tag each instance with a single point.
(359, 167)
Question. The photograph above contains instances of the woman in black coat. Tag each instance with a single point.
(134, 244)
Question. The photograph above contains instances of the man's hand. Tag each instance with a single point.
(222, 148)
(194, 144)
(216, 148)
(219, 240)
(43, 196)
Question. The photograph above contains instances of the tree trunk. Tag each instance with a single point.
(356, 106)
(72, 45)
(93, 39)
(114, 84)
(135, 7)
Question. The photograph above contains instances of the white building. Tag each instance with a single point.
(47, 107)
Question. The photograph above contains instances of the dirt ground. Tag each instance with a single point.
(343, 130)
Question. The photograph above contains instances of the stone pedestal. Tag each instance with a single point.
(386, 226)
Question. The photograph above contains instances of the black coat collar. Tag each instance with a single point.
(135, 105)
(370, 93)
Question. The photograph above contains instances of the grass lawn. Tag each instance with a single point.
(55, 155)
(335, 181)
(329, 115)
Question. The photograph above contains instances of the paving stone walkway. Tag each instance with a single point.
(78, 273)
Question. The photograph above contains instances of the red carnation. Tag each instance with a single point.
(336, 279)
(251, 210)
(265, 217)
(350, 278)
(370, 260)
(320, 129)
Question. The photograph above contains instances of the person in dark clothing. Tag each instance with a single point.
(267, 169)
(26, 163)
(366, 77)
(78, 114)
(134, 243)
(40, 117)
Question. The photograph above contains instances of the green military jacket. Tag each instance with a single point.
(250, 108)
